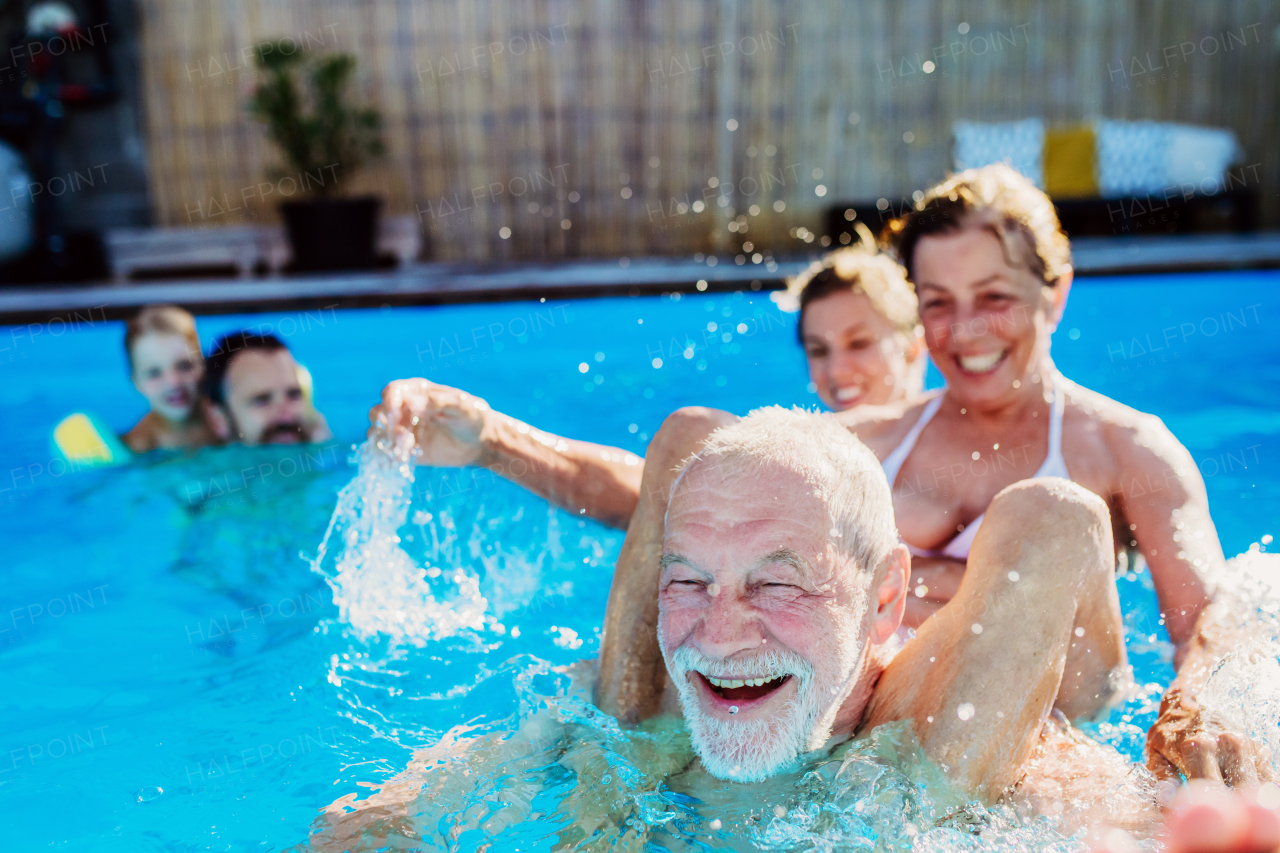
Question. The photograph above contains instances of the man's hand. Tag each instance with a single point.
(1186, 739)
(444, 423)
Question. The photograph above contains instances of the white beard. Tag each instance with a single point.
(753, 750)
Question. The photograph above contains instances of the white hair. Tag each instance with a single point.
(844, 474)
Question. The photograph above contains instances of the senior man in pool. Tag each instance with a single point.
(782, 586)
(783, 583)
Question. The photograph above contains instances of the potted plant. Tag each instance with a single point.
(325, 141)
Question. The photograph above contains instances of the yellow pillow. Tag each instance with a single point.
(1070, 162)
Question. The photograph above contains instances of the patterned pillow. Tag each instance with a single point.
(1131, 157)
(1018, 143)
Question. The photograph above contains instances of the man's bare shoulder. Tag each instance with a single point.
(882, 428)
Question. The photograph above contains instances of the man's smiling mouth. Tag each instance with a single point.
(742, 689)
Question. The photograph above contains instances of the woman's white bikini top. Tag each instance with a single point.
(1054, 466)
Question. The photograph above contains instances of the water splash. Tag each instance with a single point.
(1244, 689)
(560, 774)
(378, 587)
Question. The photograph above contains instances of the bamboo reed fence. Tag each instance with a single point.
(621, 127)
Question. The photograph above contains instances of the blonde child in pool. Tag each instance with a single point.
(166, 367)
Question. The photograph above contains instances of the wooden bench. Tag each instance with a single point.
(245, 247)
(133, 250)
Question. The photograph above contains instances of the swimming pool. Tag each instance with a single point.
(176, 678)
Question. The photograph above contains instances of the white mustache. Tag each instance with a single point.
(770, 664)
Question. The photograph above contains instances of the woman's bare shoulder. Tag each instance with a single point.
(1126, 433)
(882, 428)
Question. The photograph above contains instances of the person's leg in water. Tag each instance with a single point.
(632, 677)
(1038, 597)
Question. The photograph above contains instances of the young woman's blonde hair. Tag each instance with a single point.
(859, 268)
(164, 320)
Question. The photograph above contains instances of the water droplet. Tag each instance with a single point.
(733, 709)
(149, 793)
(1079, 632)
(965, 711)
(715, 824)
(780, 811)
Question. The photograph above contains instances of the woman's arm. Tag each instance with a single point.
(454, 428)
(581, 477)
(1160, 495)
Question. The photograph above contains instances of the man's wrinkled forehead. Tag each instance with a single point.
(718, 500)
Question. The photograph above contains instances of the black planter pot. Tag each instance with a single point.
(332, 233)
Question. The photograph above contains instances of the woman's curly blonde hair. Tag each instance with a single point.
(997, 198)
(861, 269)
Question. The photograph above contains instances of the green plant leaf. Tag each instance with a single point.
(319, 135)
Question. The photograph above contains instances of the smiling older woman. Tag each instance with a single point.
(992, 271)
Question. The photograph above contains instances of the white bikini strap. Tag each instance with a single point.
(893, 462)
(1055, 418)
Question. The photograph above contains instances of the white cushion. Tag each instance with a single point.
(1201, 156)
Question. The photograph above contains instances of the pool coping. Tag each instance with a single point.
(452, 282)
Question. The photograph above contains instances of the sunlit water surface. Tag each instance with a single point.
(187, 669)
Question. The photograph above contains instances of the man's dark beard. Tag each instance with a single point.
(289, 429)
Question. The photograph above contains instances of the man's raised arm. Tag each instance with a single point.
(453, 428)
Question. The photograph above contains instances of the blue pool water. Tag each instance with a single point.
(177, 678)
